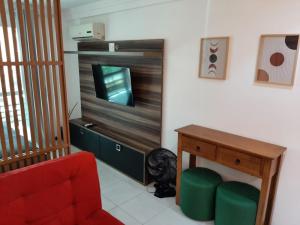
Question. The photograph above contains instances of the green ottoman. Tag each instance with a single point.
(236, 204)
(197, 193)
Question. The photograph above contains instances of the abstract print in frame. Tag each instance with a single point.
(213, 57)
(277, 59)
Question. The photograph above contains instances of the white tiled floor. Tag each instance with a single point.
(132, 203)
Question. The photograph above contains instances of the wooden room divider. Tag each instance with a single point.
(33, 103)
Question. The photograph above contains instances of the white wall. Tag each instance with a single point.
(71, 69)
(236, 105)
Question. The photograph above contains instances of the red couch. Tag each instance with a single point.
(57, 192)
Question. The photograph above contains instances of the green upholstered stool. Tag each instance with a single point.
(236, 204)
(197, 193)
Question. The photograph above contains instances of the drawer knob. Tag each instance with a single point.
(237, 161)
(198, 148)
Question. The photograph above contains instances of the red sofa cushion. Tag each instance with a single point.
(57, 192)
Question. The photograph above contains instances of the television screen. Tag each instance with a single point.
(113, 84)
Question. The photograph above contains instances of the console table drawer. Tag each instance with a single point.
(199, 148)
(243, 162)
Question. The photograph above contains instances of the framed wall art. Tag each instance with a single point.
(277, 59)
(214, 57)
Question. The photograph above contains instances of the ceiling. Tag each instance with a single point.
(73, 3)
(87, 8)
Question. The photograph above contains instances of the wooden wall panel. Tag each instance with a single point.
(138, 126)
(32, 91)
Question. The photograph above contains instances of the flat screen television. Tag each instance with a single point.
(113, 84)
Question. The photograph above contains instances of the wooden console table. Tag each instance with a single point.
(256, 158)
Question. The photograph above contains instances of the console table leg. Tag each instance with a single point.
(264, 194)
(179, 169)
(274, 184)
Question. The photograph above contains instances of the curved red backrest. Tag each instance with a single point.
(63, 191)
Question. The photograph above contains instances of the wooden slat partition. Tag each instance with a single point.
(60, 53)
(57, 110)
(32, 83)
(3, 144)
(19, 81)
(34, 76)
(47, 69)
(10, 77)
(26, 73)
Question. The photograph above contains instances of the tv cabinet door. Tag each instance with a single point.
(84, 139)
(127, 160)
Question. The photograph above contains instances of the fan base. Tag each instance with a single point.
(164, 191)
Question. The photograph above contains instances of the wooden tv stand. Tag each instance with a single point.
(111, 147)
(123, 135)
(256, 158)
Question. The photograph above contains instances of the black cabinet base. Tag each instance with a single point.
(125, 159)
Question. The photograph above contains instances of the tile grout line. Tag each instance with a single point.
(116, 175)
(127, 214)
(156, 215)
(152, 217)
(143, 192)
(129, 200)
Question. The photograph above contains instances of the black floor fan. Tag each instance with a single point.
(161, 165)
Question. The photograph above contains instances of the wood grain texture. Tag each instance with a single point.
(271, 200)
(256, 158)
(4, 88)
(32, 78)
(62, 80)
(54, 77)
(139, 126)
(19, 78)
(41, 84)
(248, 145)
(240, 161)
(201, 148)
(47, 73)
(10, 75)
(27, 85)
(179, 168)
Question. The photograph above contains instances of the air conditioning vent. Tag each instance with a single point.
(92, 31)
